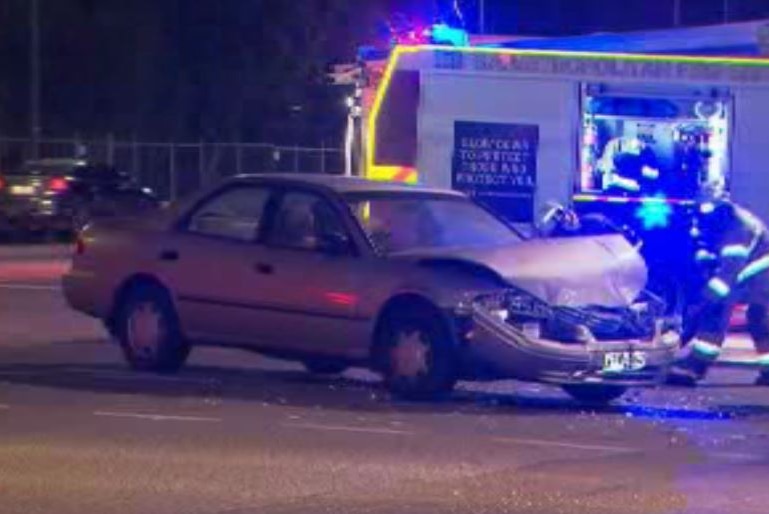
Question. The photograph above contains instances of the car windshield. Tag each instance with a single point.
(402, 222)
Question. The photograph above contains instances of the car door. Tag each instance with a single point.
(209, 263)
(316, 276)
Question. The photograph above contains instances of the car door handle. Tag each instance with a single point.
(264, 269)
(169, 255)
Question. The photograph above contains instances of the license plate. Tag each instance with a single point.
(532, 330)
(22, 190)
(617, 362)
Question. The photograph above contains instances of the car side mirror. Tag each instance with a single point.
(335, 243)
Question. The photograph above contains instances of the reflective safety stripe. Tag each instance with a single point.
(625, 183)
(706, 349)
(735, 251)
(753, 269)
(719, 287)
(707, 207)
(650, 173)
(763, 360)
(704, 255)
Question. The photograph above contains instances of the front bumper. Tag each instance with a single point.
(496, 349)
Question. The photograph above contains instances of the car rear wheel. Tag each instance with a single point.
(418, 354)
(323, 366)
(147, 328)
(594, 394)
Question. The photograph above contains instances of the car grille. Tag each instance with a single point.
(604, 323)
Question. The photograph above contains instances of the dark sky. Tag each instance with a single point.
(549, 17)
(225, 69)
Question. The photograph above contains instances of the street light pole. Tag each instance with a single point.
(482, 16)
(34, 82)
(676, 13)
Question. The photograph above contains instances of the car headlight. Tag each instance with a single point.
(513, 304)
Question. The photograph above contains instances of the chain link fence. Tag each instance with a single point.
(174, 170)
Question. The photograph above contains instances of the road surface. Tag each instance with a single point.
(235, 433)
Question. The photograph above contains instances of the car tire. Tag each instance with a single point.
(417, 354)
(147, 328)
(323, 366)
(594, 394)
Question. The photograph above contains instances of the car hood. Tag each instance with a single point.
(574, 272)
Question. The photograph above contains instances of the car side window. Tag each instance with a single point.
(235, 214)
(306, 221)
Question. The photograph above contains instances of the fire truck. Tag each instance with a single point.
(637, 138)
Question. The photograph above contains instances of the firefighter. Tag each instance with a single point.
(738, 245)
(629, 164)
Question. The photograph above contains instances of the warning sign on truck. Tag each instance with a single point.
(496, 163)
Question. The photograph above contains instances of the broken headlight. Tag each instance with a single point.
(518, 309)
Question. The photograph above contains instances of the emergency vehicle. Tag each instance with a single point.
(635, 137)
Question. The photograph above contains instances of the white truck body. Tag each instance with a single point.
(547, 90)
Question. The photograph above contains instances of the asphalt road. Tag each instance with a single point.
(238, 434)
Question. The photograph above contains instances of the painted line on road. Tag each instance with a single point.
(736, 456)
(571, 446)
(343, 428)
(155, 417)
(133, 375)
(28, 287)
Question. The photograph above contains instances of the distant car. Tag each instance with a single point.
(64, 194)
(421, 285)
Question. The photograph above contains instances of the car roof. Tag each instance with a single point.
(341, 183)
(56, 161)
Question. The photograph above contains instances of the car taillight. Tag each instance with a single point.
(58, 184)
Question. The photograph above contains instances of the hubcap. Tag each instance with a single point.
(410, 354)
(145, 329)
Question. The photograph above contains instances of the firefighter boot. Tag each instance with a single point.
(758, 326)
(693, 368)
(682, 375)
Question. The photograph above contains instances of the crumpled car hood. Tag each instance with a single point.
(573, 272)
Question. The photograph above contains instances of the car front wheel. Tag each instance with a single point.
(147, 328)
(594, 394)
(418, 354)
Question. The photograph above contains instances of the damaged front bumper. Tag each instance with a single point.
(498, 344)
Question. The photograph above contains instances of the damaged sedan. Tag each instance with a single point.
(421, 285)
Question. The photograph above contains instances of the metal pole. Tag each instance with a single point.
(172, 179)
(482, 16)
(676, 13)
(34, 79)
(239, 158)
(323, 157)
(201, 163)
(726, 11)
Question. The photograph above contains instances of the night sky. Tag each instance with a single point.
(247, 69)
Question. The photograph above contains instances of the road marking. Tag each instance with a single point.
(571, 446)
(28, 287)
(735, 456)
(132, 375)
(342, 428)
(155, 417)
